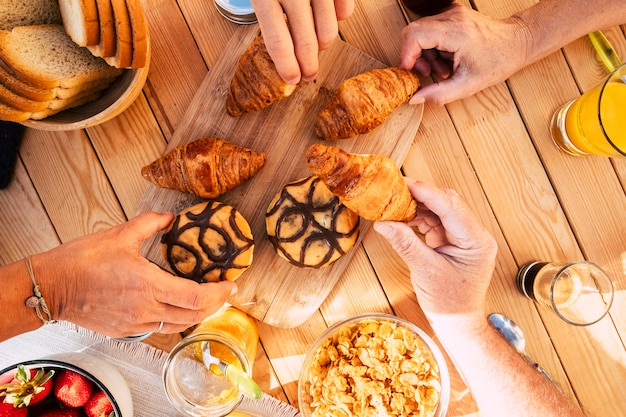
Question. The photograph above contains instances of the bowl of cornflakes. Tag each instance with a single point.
(374, 364)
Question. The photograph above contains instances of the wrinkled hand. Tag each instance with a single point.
(452, 267)
(467, 50)
(101, 282)
(294, 44)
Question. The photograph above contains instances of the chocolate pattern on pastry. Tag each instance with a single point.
(208, 242)
(308, 226)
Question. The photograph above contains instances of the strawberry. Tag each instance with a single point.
(72, 388)
(98, 405)
(28, 387)
(9, 410)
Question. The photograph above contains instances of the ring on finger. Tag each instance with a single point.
(159, 328)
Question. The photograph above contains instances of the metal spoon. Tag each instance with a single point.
(513, 334)
(236, 376)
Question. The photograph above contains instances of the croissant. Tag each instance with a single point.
(370, 185)
(255, 83)
(206, 167)
(362, 103)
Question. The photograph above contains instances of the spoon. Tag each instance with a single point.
(513, 334)
(236, 376)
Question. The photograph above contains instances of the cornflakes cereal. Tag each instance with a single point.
(374, 368)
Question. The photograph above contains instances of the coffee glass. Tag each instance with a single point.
(594, 123)
(580, 293)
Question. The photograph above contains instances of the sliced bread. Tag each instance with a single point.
(28, 12)
(107, 45)
(31, 92)
(9, 98)
(80, 19)
(23, 88)
(10, 113)
(44, 56)
(139, 33)
(123, 57)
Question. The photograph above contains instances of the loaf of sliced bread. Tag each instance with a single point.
(46, 57)
(81, 22)
(28, 12)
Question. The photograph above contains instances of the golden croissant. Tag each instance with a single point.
(256, 83)
(206, 167)
(370, 185)
(362, 103)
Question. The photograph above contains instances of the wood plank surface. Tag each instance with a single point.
(272, 290)
(494, 148)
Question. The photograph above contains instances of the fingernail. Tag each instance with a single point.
(293, 81)
(234, 290)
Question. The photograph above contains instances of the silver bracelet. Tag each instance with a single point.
(37, 301)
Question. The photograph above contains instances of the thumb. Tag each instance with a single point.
(147, 224)
(403, 240)
(442, 92)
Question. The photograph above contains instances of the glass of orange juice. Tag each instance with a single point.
(580, 293)
(198, 390)
(594, 123)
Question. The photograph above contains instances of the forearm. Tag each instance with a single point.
(551, 24)
(501, 381)
(16, 318)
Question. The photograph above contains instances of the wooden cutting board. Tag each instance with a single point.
(272, 290)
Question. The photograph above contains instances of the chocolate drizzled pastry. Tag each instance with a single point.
(208, 242)
(308, 226)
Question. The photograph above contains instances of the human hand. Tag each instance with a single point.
(468, 52)
(452, 267)
(101, 282)
(294, 44)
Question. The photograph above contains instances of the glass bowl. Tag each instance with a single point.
(378, 354)
(104, 376)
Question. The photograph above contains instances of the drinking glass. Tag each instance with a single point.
(194, 389)
(580, 293)
(594, 123)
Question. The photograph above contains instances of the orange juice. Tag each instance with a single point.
(199, 390)
(595, 123)
(236, 324)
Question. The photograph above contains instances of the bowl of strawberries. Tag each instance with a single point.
(64, 385)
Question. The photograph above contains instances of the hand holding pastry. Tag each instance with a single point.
(294, 43)
(256, 83)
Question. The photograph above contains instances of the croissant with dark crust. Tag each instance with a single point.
(256, 83)
(362, 103)
(206, 167)
(370, 185)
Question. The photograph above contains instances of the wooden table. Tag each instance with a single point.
(494, 148)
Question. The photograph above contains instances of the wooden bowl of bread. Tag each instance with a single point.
(72, 64)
